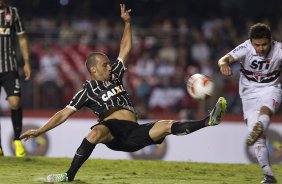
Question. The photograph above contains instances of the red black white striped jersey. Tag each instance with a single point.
(258, 72)
(11, 25)
(104, 97)
(260, 69)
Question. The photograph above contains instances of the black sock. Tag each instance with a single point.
(17, 121)
(81, 155)
(187, 127)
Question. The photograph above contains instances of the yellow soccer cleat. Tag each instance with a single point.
(19, 148)
(217, 112)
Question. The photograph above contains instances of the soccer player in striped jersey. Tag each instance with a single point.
(259, 87)
(107, 97)
(11, 28)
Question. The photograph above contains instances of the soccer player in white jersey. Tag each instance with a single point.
(260, 58)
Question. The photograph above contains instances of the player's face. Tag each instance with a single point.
(261, 45)
(103, 69)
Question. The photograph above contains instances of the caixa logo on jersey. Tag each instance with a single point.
(274, 145)
(37, 146)
(106, 95)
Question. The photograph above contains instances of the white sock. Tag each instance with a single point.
(265, 119)
(262, 156)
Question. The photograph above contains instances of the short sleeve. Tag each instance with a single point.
(118, 68)
(19, 26)
(79, 100)
(239, 52)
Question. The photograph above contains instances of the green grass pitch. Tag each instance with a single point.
(99, 171)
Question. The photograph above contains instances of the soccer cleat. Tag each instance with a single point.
(255, 134)
(268, 179)
(217, 112)
(1, 152)
(19, 148)
(57, 178)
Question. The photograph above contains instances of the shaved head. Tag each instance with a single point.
(92, 59)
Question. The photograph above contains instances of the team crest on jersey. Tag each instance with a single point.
(8, 17)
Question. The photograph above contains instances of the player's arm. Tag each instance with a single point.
(57, 119)
(224, 64)
(126, 41)
(23, 42)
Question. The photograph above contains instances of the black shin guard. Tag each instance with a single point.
(17, 121)
(186, 127)
(81, 155)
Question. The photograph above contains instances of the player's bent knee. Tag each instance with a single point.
(163, 125)
(14, 105)
(14, 102)
(99, 134)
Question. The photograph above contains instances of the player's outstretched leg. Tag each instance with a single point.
(57, 178)
(189, 126)
(217, 112)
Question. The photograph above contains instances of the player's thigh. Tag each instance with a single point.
(251, 109)
(140, 137)
(100, 134)
(11, 84)
(272, 99)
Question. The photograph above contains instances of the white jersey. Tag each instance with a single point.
(257, 71)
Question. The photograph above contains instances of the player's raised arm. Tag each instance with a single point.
(126, 41)
(57, 119)
(224, 63)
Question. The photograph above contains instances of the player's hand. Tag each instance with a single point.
(225, 69)
(27, 71)
(30, 134)
(124, 14)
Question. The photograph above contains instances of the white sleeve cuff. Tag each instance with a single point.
(71, 107)
(120, 59)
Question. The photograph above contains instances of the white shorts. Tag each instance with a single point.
(269, 97)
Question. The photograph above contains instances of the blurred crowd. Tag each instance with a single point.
(166, 51)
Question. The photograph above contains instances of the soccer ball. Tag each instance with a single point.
(200, 86)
